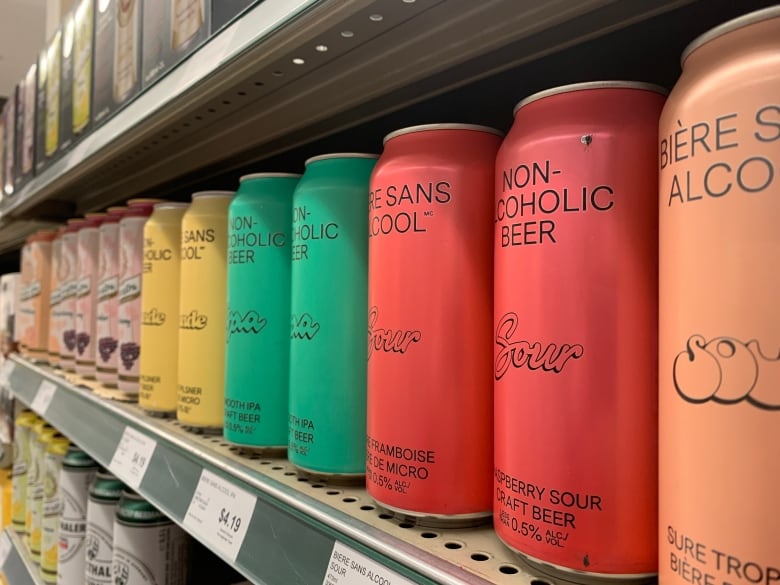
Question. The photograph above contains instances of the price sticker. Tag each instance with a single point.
(348, 567)
(132, 456)
(5, 548)
(43, 397)
(5, 372)
(220, 513)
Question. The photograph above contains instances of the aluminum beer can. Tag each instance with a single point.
(202, 312)
(104, 494)
(22, 430)
(106, 312)
(719, 346)
(575, 311)
(87, 242)
(160, 309)
(23, 312)
(327, 418)
(131, 266)
(51, 506)
(78, 473)
(148, 547)
(42, 435)
(66, 313)
(258, 304)
(55, 293)
(36, 295)
(430, 210)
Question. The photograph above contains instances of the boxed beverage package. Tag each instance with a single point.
(19, 135)
(40, 112)
(117, 55)
(172, 29)
(83, 31)
(66, 83)
(225, 11)
(53, 81)
(9, 125)
(27, 132)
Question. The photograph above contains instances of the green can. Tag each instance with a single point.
(258, 312)
(104, 494)
(328, 313)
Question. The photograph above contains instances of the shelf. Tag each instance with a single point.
(295, 522)
(18, 567)
(241, 98)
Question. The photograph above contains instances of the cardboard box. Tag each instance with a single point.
(40, 112)
(225, 11)
(172, 29)
(53, 82)
(66, 83)
(83, 32)
(117, 55)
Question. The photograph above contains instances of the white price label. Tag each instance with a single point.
(132, 456)
(348, 567)
(220, 513)
(43, 397)
(5, 548)
(5, 372)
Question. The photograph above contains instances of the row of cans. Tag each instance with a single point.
(80, 523)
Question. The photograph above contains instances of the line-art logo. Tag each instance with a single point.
(389, 340)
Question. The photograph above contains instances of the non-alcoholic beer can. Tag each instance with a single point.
(719, 338)
(66, 312)
(202, 311)
(23, 319)
(36, 294)
(55, 294)
(131, 264)
(328, 320)
(148, 546)
(575, 311)
(160, 309)
(104, 494)
(42, 435)
(430, 226)
(78, 473)
(87, 242)
(258, 305)
(107, 304)
(21, 468)
(52, 506)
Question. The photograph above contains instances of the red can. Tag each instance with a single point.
(430, 395)
(576, 307)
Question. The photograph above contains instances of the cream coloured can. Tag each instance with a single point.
(66, 312)
(106, 321)
(86, 289)
(51, 506)
(104, 494)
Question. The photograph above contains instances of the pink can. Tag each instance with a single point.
(87, 251)
(106, 314)
(66, 312)
(55, 294)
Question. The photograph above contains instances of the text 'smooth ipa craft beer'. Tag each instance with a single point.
(327, 418)
(430, 395)
(258, 304)
(51, 506)
(202, 316)
(131, 265)
(66, 314)
(160, 309)
(576, 276)
(78, 473)
(40, 439)
(719, 360)
(104, 494)
(55, 293)
(21, 467)
(148, 546)
(107, 304)
(87, 242)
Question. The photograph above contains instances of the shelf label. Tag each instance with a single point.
(5, 372)
(5, 548)
(43, 397)
(132, 456)
(220, 513)
(349, 567)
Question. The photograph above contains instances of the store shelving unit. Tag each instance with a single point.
(15, 563)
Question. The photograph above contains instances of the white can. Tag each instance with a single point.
(104, 496)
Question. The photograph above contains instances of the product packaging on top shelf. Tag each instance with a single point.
(2, 152)
(9, 122)
(66, 83)
(172, 29)
(224, 11)
(53, 82)
(19, 133)
(9, 294)
(83, 31)
(117, 55)
(40, 111)
(27, 135)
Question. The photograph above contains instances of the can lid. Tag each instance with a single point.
(206, 194)
(106, 487)
(443, 126)
(730, 26)
(58, 445)
(269, 176)
(611, 84)
(46, 434)
(75, 457)
(94, 219)
(43, 236)
(75, 225)
(171, 205)
(26, 418)
(40, 425)
(116, 210)
(135, 509)
(340, 155)
(142, 201)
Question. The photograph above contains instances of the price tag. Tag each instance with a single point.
(132, 456)
(348, 567)
(220, 513)
(43, 397)
(5, 372)
(5, 548)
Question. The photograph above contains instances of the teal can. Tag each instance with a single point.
(328, 313)
(257, 356)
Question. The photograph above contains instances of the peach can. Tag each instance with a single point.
(55, 293)
(36, 295)
(107, 355)
(87, 250)
(65, 315)
(719, 338)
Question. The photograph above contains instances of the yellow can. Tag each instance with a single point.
(160, 309)
(6, 485)
(202, 311)
(22, 431)
(43, 433)
(51, 506)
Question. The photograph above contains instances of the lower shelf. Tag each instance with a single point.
(16, 566)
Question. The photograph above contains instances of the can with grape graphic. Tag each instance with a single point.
(66, 312)
(55, 293)
(87, 250)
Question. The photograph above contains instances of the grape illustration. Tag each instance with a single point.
(69, 339)
(106, 347)
(129, 353)
(82, 341)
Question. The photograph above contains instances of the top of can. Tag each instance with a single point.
(75, 457)
(172, 205)
(729, 26)
(142, 201)
(26, 418)
(106, 487)
(136, 510)
(442, 126)
(269, 176)
(204, 194)
(43, 236)
(340, 155)
(611, 84)
(58, 445)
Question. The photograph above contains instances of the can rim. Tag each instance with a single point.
(206, 194)
(171, 205)
(320, 157)
(441, 126)
(729, 26)
(572, 87)
(269, 176)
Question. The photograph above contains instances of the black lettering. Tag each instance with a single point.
(762, 120)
